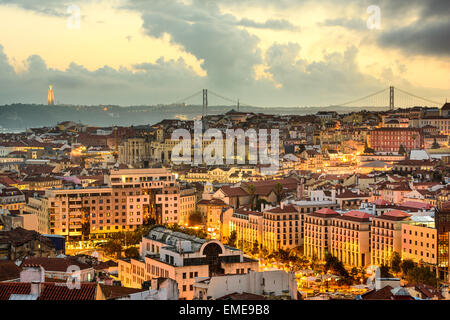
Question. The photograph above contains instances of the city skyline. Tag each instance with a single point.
(292, 53)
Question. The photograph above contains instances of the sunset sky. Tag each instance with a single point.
(266, 52)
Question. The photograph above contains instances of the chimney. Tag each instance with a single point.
(35, 288)
(282, 205)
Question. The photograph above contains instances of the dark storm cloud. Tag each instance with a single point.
(432, 38)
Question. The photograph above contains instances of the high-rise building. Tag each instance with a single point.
(51, 96)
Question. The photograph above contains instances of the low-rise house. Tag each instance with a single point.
(62, 268)
(272, 284)
(20, 243)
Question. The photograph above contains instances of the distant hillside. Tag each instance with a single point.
(22, 116)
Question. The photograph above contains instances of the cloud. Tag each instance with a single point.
(333, 80)
(432, 38)
(351, 24)
(272, 24)
(146, 83)
(47, 7)
(228, 52)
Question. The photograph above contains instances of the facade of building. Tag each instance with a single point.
(130, 197)
(390, 139)
(387, 236)
(419, 243)
(317, 240)
(270, 284)
(350, 238)
(183, 258)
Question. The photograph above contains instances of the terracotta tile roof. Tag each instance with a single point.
(233, 191)
(9, 270)
(106, 265)
(50, 291)
(416, 205)
(242, 296)
(217, 202)
(347, 194)
(286, 209)
(247, 212)
(382, 294)
(54, 264)
(19, 236)
(357, 215)
(395, 215)
(324, 213)
(113, 292)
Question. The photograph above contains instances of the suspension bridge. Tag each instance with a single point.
(390, 98)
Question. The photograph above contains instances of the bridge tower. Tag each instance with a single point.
(205, 103)
(391, 98)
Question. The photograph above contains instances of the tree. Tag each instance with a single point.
(402, 150)
(301, 148)
(354, 272)
(132, 252)
(232, 239)
(435, 145)
(407, 265)
(255, 249)
(334, 264)
(195, 218)
(421, 275)
(396, 261)
(259, 202)
(113, 248)
(251, 190)
(367, 149)
(278, 190)
(385, 272)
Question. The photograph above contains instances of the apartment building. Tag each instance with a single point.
(38, 207)
(419, 243)
(350, 238)
(134, 151)
(281, 228)
(248, 226)
(129, 198)
(317, 241)
(181, 257)
(11, 198)
(386, 235)
(212, 211)
(187, 204)
(95, 212)
(390, 139)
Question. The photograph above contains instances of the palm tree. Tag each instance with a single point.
(278, 190)
(251, 189)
